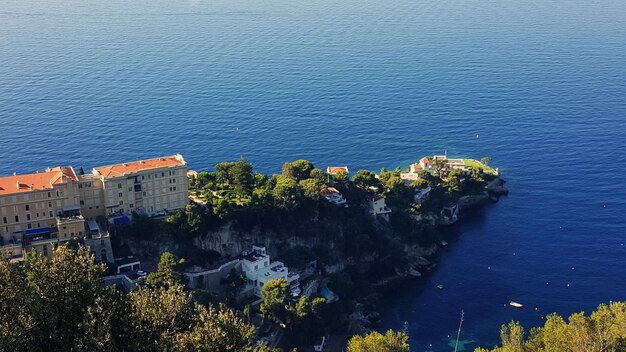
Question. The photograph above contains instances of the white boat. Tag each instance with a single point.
(515, 304)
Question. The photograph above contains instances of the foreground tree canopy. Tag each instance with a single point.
(61, 304)
(391, 341)
(602, 331)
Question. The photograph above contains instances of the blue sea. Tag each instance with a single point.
(539, 86)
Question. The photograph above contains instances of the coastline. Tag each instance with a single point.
(366, 317)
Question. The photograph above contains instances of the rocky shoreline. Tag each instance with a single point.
(365, 317)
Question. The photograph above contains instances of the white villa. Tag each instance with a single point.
(378, 207)
(333, 196)
(258, 269)
(414, 169)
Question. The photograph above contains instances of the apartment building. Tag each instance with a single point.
(42, 210)
(38, 211)
(151, 187)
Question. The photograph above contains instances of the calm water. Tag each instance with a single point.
(368, 83)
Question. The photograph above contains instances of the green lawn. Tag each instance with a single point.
(475, 164)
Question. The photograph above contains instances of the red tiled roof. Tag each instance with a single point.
(36, 181)
(417, 166)
(424, 160)
(335, 169)
(141, 165)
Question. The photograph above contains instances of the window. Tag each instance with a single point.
(173, 172)
(29, 226)
(121, 202)
(49, 195)
(120, 194)
(4, 220)
(163, 174)
(38, 224)
(27, 216)
(80, 186)
(27, 207)
(144, 193)
(130, 189)
(45, 250)
(131, 205)
(82, 202)
(58, 193)
(50, 213)
(119, 185)
(37, 215)
(17, 218)
(49, 204)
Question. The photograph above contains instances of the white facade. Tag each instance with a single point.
(378, 207)
(333, 196)
(258, 269)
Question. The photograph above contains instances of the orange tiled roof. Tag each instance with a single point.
(335, 169)
(35, 182)
(417, 166)
(141, 165)
(424, 160)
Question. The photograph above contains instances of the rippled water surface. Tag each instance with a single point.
(540, 86)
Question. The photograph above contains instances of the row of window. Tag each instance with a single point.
(5, 220)
(26, 197)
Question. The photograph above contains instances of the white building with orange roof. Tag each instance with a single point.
(333, 170)
(152, 186)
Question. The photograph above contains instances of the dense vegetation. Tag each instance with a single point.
(61, 304)
(602, 331)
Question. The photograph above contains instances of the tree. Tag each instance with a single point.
(603, 330)
(486, 160)
(63, 287)
(17, 321)
(167, 273)
(319, 175)
(455, 181)
(398, 193)
(222, 173)
(260, 180)
(299, 169)
(106, 326)
(275, 300)
(192, 220)
(366, 178)
(440, 166)
(159, 315)
(204, 179)
(420, 183)
(390, 342)
(234, 283)
(242, 177)
(341, 178)
(285, 192)
(217, 330)
(311, 188)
